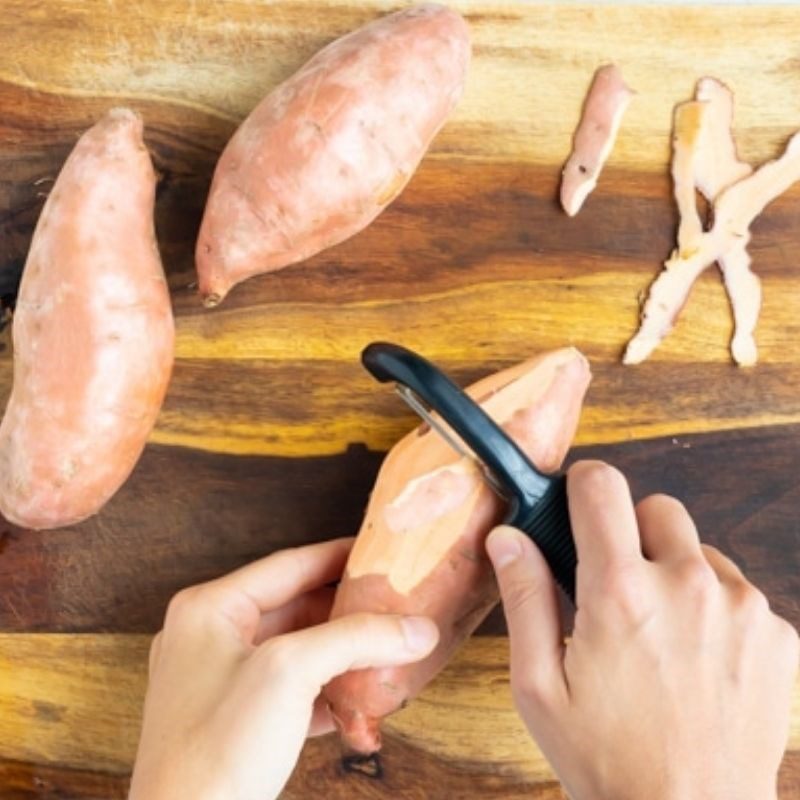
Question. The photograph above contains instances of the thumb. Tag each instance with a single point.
(531, 607)
(316, 655)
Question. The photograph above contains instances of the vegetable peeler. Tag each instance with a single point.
(537, 503)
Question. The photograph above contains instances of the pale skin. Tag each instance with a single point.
(675, 682)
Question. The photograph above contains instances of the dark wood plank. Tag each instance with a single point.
(20, 780)
(789, 777)
(743, 490)
(186, 516)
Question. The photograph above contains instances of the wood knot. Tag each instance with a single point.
(369, 765)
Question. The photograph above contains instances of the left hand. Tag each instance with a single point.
(236, 674)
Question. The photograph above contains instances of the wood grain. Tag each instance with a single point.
(117, 571)
(72, 703)
(524, 278)
(220, 58)
(473, 304)
(59, 692)
(271, 433)
(23, 780)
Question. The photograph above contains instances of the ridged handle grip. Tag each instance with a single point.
(548, 524)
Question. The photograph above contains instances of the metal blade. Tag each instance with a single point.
(416, 405)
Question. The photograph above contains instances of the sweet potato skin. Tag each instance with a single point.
(595, 135)
(93, 334)
(439, 568)
(322, 155)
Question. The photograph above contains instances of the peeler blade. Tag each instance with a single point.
(416, 405)
(537, 502)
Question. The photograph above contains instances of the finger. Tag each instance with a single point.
(603, 518)
(306, 660)
(155, 650)
(531, 607)
(278, 578)
(304, 611)
(667, 532)
(237, 601)
(726, 570)
(321, 718)
(787, 645)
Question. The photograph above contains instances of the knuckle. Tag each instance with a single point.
(188, 605)
(279, 656)
(697, 580)
(597, 478)
(362, 620)
(750, 601)
(155, 649)
(527, 688)
(181, 604)
(624, 589)
(519, 594)
(294, 559)
(361, 628)
(789, 642)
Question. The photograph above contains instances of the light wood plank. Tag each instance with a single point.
(531, 67)
(75, 700)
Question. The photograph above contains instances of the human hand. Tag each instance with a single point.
(677, 680)
(236, 673)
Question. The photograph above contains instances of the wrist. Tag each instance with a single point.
(701, 790)
(690, 786)
(154, 787)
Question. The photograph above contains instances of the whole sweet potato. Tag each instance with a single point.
(421, 546)
(323, 154)
(93, 334)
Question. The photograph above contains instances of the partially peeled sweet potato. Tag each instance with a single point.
(421, 546)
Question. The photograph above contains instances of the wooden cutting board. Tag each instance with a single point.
(271, 433)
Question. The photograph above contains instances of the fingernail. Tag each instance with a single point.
(419, 633)
(503, 547)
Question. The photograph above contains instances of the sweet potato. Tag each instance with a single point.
(421, 546)
(322, 155)
(93, 334)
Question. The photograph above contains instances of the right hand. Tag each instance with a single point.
(677, 680)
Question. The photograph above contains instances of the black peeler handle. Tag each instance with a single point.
(537, 502)
(548, 524)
